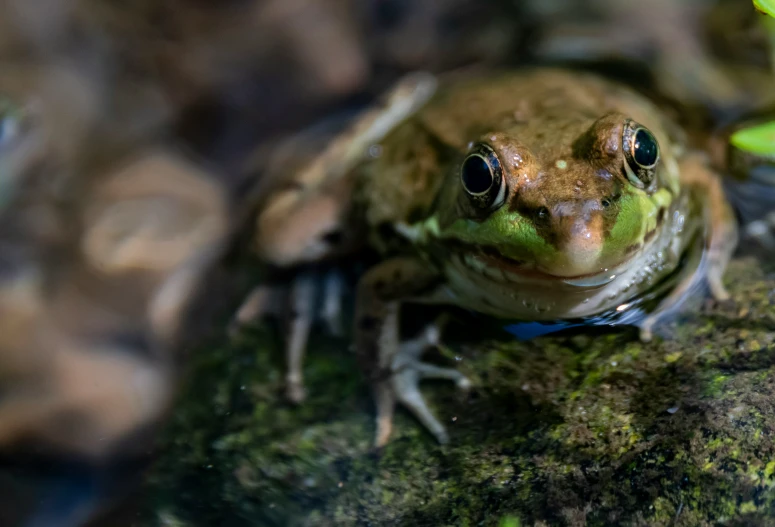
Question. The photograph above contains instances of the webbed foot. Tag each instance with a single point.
(403, 387)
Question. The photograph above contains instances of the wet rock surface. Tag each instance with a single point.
(588, 428)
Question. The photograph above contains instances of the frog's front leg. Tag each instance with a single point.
(300, 320)
(722, 234)
(305, 219)
(394, 369)
(296, 305)
(721, 238)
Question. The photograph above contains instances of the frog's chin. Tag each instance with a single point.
(504, 269)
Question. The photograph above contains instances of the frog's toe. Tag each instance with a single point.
(408, 393)
(717, 289)
(406, 383)
(431, 371)
(403, 387)
(294, 389)
(409, 370)
(646, 329)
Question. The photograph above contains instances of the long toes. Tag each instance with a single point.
(717, 289)
(431, 371)
(647, 329)
(415, 402)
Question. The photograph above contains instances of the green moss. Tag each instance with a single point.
(582, 428)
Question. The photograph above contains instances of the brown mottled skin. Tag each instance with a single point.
(566, 228)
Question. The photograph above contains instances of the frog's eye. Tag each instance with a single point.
(641, 152)
(482, 178)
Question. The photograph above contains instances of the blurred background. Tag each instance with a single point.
(135, 141)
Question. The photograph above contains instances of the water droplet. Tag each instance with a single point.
(375, 151)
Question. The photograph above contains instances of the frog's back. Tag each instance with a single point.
(400, 184)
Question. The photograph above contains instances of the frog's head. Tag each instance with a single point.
(574, 205)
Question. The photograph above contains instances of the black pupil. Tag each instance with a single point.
(477, 177)
(645, 150)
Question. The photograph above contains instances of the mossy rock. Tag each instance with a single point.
(576, 429)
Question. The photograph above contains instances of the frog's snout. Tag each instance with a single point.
(579, 235)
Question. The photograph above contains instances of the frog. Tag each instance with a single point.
(539, 194)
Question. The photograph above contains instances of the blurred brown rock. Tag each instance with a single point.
(106, 231)
(86, 354)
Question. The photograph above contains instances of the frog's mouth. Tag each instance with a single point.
(489, 262)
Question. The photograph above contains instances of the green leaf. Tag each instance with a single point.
(765, 6)
(759, 139)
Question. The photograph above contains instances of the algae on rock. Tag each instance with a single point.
(589, 428)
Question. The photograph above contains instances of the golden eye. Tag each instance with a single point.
(482, 177)
(645, 150)
(641, 152)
